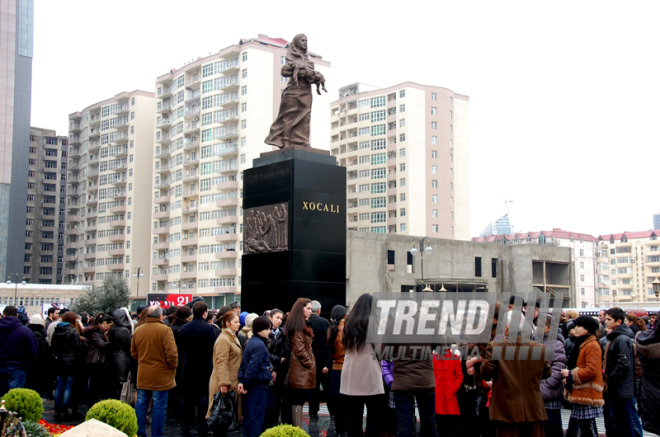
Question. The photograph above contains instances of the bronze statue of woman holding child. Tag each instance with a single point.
(291, 127)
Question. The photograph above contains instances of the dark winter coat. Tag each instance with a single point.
(255, 370)
(40, 375)
(65, 345)
(302, 372)
(279, 348)
(197, 339)
(320, 348)
(553, 387)
(18, 345)
(648, 352)
(120, 336)
(176, 329)
(620, 363)
(98, 346)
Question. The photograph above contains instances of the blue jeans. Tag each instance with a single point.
(11, 376)
(157, 413)
(405, 411)
(63, 391)
(621, 418)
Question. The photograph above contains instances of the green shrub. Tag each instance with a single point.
(116, 414)
(284, 431)
(25, 402)
(35, 429)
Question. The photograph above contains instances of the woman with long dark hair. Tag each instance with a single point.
(361, 377)
(337, 353)
(99, 350)
(278, 352)
(302, 367)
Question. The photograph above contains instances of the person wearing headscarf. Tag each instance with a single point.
(120, 336)
(584, 373)
(40, 376)
(291, 128)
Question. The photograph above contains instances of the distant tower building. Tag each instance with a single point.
(656, 221)
(501, 226)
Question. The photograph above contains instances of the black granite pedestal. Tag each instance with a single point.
(311, 262)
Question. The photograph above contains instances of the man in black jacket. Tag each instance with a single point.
(620, 413)
(322, 355)
(196, 339)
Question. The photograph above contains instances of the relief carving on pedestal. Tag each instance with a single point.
(265, 229)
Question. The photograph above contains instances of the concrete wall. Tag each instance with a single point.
(451, 263)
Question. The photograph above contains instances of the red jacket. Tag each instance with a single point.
(448, 380)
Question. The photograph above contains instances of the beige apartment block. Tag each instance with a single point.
(584, 249)
(44, 222)
(212, 116)
(628, 263)
(406, 149)
(107, 226)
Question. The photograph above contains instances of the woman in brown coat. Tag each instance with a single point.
(302, 369)
(227, 356)
(584, 388)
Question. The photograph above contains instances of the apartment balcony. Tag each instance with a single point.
(92, 201)
(90, 228)
(190, 162)
(93, 173)
(227, 237)
(391, 221)
(71, 218)
(191, 111)
(93, 146)
(72, 245)
(89, 270)
(159, 277)
(229, 185)
(89, 256)
(225, 290)
(189, 226)
(164, 153)
(119, 138)
(227, 202)
(69, 271)
(73, 206)
(164, 139)
(117, 252)
(189, 242)
(192, 127)
(118, 237)
(121, 124)
(161, 262)
(164, 184)
(164, 170)
(117, 209)
(229, 254)
(189, 258)
(189, 209)
(161, 231)
(121, 152)
(227, 220)
(74, 127)
(189, 275)
(162, 200)
(190, 145)
(160, 246)
(70, 258)
(193, 96)
(120, 195)
(228, 151)
(91, 214)
(165, 91)
(90, 242)
(228, 170)
(74, 140)
(194, 176)
(164, 122)
(226, 272)
(116, 267)
(161, 214)
(117, 224)
(73, 166)
(74, 152)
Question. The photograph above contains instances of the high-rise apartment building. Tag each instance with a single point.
(628, 263)
(46, 198)
(16, 34)
(212, 116)
(109, 190)
(406, 150)
(501, 226)
(656, 221)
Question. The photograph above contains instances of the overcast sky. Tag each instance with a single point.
(564, 98)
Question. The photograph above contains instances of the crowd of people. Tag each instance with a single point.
(175, 361)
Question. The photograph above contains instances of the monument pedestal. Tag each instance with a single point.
(301, 253)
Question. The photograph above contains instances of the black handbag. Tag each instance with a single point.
(223, 414)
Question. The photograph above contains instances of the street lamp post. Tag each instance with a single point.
(422, 241)
(9, 282)
(138, 274)
(656, 287)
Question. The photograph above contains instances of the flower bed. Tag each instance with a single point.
(55, 429)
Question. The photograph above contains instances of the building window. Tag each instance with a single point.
(434, 169)
(434, 229)
(477, 266)
(434, 198)
(402, 181)
(434, 111)
(402, 197)
(244, 90)
(434, 125)
(402, 94)
(434, 183)
(402, 226)
(434, 96)
(244, 73)
(402, 153)
(434, 213)
(434, 154)
(402, 138)
(493, 267)
(402, 108)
